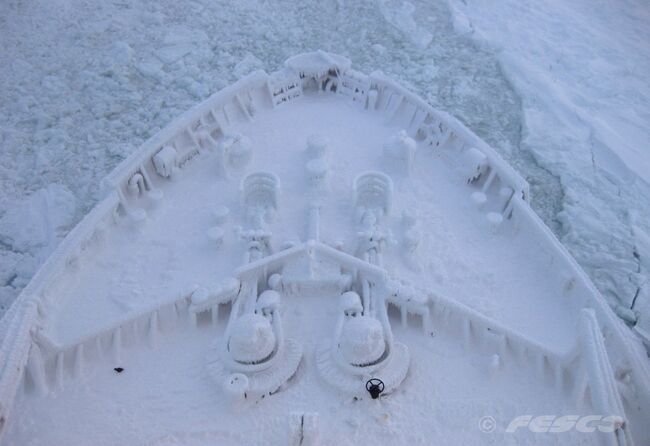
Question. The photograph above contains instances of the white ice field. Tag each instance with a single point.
(282, 243)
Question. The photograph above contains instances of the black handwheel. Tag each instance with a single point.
(374, 386)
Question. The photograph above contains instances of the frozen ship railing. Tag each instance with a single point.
(585, 369)
(472, 327)
(21, 322)
(239, 101)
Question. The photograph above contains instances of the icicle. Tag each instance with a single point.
(133, 326)
(152, 192)
(58, 378)
(117, 344)
(503, 345)
(418, 119)
(243, 108)
(467, 331)
(559, 376)
(295, 429)
(365, 296)
(426, 322)
(391, 112)
(153, 329)
(174, 315)
(580, 388)
(314, 223)
(98, 346)
(215, 314)
(540, 364)
(79, 361)
(519, 350)
(372, 99)
(36, 370)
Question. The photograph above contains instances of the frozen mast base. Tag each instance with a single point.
(314, 255)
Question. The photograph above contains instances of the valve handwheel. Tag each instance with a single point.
(374, 386)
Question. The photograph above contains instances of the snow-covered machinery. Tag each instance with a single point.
(254, 360)
(373, 200)
(362, 348)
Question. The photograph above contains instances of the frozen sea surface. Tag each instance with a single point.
(581, 69)
(86, 82)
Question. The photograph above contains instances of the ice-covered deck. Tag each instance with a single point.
(226, 206)
(137, 265)
(164, 395)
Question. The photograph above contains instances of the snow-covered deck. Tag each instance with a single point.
(506, 276)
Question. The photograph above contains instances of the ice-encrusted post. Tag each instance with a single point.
(489, 180)
(153, 192)
(505, 197)
(243, 108)
(318, 171)
(36, 369)
(214, 313)
(419, 117)
(393, 106)
(165, 161)
(365, 296)
(599, 374)
(314, 222)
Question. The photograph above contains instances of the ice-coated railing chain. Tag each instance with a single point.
(189, 134)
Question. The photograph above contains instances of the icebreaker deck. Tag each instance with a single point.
(297, 237)
(500, 274)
